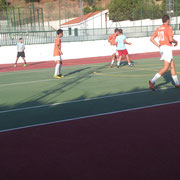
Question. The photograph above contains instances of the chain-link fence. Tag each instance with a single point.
(48, 36)
(37, 22)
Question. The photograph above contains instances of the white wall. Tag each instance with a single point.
(95, 22)
(76, 50)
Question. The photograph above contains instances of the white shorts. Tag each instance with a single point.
(166, 53)
(113, 49)
(57, 58)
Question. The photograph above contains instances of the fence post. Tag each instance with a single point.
(33, 11)
(19, 14)
(141, 9)
(176, 13)
(42, 17)
(31, 16)
(59, 13)
(7, 13)
(14, 18)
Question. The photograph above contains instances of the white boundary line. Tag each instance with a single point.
(90, 116)
(82, 100)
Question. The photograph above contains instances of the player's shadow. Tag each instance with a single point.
(125, 63)
(76, 71)
(64, 85)
(167, 79)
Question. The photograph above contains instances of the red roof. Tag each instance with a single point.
(81, 18)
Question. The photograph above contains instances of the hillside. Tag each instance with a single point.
(69, 8)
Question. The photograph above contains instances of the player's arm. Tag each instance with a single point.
(171, 37)
(23, 48)
(153, 41)
(109, 39)
(125, 42)
(58, 47)
(172, 40)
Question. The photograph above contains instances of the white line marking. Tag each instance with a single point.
(81, 100)
(89, 116)
(45, 80)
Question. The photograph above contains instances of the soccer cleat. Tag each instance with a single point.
(177, 86)
(61, 76)
(15, 65)
(118, 66)
(151, 85)
(111, 65)
(57, 77)
(25, 65)
(130, 65)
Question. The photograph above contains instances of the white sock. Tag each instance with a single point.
(118, 63)
(175, 79)
(57, 70)
(112, 62)
(129, 63)
(155, 78)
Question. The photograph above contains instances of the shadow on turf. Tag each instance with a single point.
(69, 110)
(63, 86)
(76, 71)
(79, 106)
(167, 79)
(125, 63)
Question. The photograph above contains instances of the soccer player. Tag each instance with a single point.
(112, 42)
(20, 52)
(166, 41)
(121, 48)
(57, 55)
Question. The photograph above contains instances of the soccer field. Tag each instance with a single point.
(33, 97)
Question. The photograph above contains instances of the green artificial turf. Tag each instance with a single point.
(112, 89)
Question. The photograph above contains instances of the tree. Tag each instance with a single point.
(2, 4)
(120, 10)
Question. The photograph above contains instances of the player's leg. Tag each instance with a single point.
(18, 55)
(174, 75)
(60, 68)
(23, 57)
(15, 65)
(56, 73)
(25, 64)
(165, 68)
(159, 74)
(113, 59)
(119, 61)
(128, 60)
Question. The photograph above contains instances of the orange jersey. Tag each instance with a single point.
(112, 39)
(57, 46)
(163, 33)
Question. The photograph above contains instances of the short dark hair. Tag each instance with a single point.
(116, 30)
(20, 38)
(120, 31)
(59, 31)
(165, 18)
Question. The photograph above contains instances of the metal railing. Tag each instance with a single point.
(48, 35)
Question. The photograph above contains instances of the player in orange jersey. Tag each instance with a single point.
(166, 41)
(57, 55)
(111, 40)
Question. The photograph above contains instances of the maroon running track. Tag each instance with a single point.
(135, 145)
(72, 62)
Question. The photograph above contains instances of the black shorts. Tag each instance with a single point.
(20, 54)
